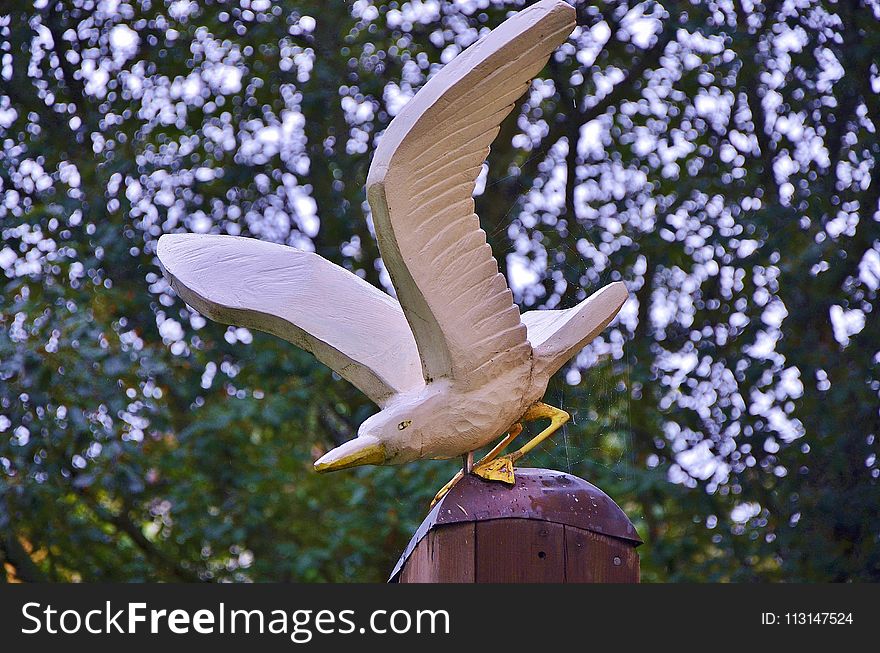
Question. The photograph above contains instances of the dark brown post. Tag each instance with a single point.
(550, 527)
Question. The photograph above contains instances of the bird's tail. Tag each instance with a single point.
(556, 336)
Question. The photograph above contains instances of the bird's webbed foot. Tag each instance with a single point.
(497, 469)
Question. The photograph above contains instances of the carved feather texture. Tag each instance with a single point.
(558, 335)
(352, 327)
(420, 189)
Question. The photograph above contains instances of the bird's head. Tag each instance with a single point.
(391, 436)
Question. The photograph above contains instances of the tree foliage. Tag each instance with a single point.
(720, 157)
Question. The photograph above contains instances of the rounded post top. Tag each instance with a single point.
(538, 494)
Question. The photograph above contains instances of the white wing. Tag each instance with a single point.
(420, 188)
(350, 326)
(557, 336)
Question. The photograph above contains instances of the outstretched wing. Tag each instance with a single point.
(557, 336)
(420, 188)
(349, 325)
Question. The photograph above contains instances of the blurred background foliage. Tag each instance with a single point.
(721, 157)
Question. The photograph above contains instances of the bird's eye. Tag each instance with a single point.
(404, 424)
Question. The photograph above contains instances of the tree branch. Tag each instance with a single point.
(124, 525)
(750, 67)
(75, 86)
(649, 59)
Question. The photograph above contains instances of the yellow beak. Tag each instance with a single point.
(363, 450)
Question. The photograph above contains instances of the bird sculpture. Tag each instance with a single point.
(451, 362)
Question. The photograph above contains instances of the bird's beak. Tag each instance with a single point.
(363, 450)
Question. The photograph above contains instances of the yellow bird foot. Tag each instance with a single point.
(443, 490)
(497, 469)
(500, 468)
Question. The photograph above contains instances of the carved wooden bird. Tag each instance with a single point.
(451, 362)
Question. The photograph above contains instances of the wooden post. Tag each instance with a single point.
(550, 527)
